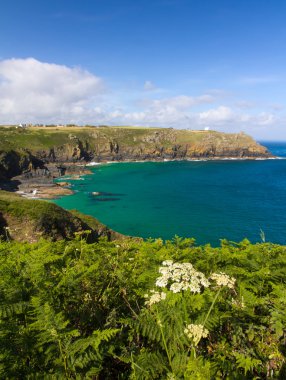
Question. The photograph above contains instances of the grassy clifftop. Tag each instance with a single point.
(97, 139)
(28, 220)
(23, 148)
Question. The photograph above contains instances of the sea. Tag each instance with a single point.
(204, 200)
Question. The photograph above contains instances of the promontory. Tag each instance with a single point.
(31, 148)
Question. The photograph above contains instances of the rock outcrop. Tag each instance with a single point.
(35, 148)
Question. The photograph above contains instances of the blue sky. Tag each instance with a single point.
(179, 63)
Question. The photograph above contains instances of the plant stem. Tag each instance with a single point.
(164, 341)
(64, 358)
(212, 305)
(123, 292)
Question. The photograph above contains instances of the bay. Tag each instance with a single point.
(206, 200)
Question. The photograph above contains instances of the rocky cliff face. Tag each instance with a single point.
(156, 145)
(38, 147)
(13, 163)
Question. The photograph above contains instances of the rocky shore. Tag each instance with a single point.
(43, 186)
(39, 183)
(31, 159)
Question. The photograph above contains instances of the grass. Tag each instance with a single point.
(43, 138)
(48, 218)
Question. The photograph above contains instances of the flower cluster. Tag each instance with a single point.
(181, 276)
(196, 332)
(155, 297)
(223, 279)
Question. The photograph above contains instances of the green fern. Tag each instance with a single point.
(247, 363)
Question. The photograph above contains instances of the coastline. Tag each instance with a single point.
(96, 163)
(178, 197)
(45, 189)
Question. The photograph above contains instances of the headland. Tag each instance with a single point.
(31, 157)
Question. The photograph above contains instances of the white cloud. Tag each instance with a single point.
(34, 91)
(31, 90)
(265, 118)
(221, 118)
(149, 86)
(217, 115)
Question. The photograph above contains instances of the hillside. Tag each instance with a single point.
(34, 147)
(29, 220)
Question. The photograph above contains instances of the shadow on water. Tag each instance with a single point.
(106, 199)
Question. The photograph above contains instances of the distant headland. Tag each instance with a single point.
(32, 155)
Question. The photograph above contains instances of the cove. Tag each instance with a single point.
(206, 200)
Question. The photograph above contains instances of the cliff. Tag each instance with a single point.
(26, 149)
(30, 220)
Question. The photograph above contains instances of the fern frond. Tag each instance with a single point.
(149, 365)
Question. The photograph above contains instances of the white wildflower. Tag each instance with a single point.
(164, 271)
(167, 263)
(181, 276)
(155, 297)
(176, 287)
(163, 296)
(223, 279)
(196, 332)
(162, 282)
(195, 288)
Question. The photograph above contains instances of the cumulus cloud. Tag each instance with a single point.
(228, 118)
(221, 118)
(221, 114)
(34, 91)
(31, 90)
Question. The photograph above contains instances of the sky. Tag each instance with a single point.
(194, 64)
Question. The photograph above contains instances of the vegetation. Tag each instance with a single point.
(142, 310)
(23, 148)
(29, 220)
(40, 138)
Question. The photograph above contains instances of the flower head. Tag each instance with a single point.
(223, 279)
(196, 332)
(181, 276)
(155, 297)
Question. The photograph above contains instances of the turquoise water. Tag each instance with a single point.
(207, 200)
